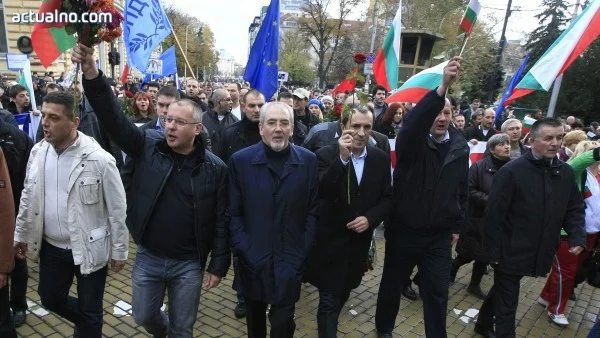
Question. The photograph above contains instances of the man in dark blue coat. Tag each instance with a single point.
(273, 206)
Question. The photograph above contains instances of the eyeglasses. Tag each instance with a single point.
(179, 122)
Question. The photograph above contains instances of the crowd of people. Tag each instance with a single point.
(290, 189)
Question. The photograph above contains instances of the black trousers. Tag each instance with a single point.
(57, 272)
(478, 268)
(432, 254)
(281, 318)
(501, 302)
(7, 326)
(330, 307)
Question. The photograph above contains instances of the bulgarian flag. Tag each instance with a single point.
(527, 124)
(470, 17)
(348, 84)
(587, 193)
(49, 40)
(570, 44)
(419, 85)
(385, 67)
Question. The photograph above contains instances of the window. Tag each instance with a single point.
(3, 41)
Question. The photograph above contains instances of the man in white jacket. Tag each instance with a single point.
(72, 217)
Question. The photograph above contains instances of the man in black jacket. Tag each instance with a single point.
(244, 133)
(238, 136)
(16, 146)
(356, 196)
(215, 121)
(484, 131)
(173, 175)
(430, 195)
(532, 198)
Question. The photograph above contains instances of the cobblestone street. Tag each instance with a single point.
(216, 319)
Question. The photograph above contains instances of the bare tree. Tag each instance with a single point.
(324, 32)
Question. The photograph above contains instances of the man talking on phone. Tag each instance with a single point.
(356, 196)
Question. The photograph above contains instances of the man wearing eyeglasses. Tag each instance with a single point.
(220, 117)
(173, 175)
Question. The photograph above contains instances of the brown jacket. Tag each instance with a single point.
(7, 219)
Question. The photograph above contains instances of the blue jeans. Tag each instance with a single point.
(152, 276)
(57, 271)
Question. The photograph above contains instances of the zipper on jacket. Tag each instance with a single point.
(160, 189)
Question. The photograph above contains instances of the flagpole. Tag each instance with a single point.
(182, 52)
(464, 44)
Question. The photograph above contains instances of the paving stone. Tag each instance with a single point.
(216, 318)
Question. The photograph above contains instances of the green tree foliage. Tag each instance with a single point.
(324, 31)
(201, 52)
(294, 59)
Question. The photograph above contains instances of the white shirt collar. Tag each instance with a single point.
(362, 155)
(444, 140)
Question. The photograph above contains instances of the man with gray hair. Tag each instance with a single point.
(172, 174)
(273, 209)
(217, 119)
(512, 128)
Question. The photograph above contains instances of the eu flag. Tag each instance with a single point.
(262, 67)
(513, 83)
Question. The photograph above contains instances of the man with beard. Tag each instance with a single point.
(379, 93)
(273, 209)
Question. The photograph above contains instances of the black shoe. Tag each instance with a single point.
(573, 297)
(409, 293)
(484, 331)
(19, 317)
(487, 270)
(384, 335)
(475, 290)
(240, 310)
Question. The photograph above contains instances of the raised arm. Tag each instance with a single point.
(101, 97)
(416, 125)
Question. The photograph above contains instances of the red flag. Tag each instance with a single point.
(347, 85)
(124, 75)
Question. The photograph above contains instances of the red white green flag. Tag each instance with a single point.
(527, 124)
(587, 193)
(570, 44)
(419, 85)
(385, 67)
(49, 40)
(470, 17)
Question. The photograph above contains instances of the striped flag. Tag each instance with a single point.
(570, 44)
(470, 17)
(527, 124)
(385, 67)
(419, 85)
(25, 81)
(49, 40)
(476, 152)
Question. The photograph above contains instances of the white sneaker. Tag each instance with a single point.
(559, 319)
(543, 302)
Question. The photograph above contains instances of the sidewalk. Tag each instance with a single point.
(216, 319)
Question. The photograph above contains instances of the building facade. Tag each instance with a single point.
(10, 32)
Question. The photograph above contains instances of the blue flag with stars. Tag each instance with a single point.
(262, 68)
(513, 83)
(146, 25)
